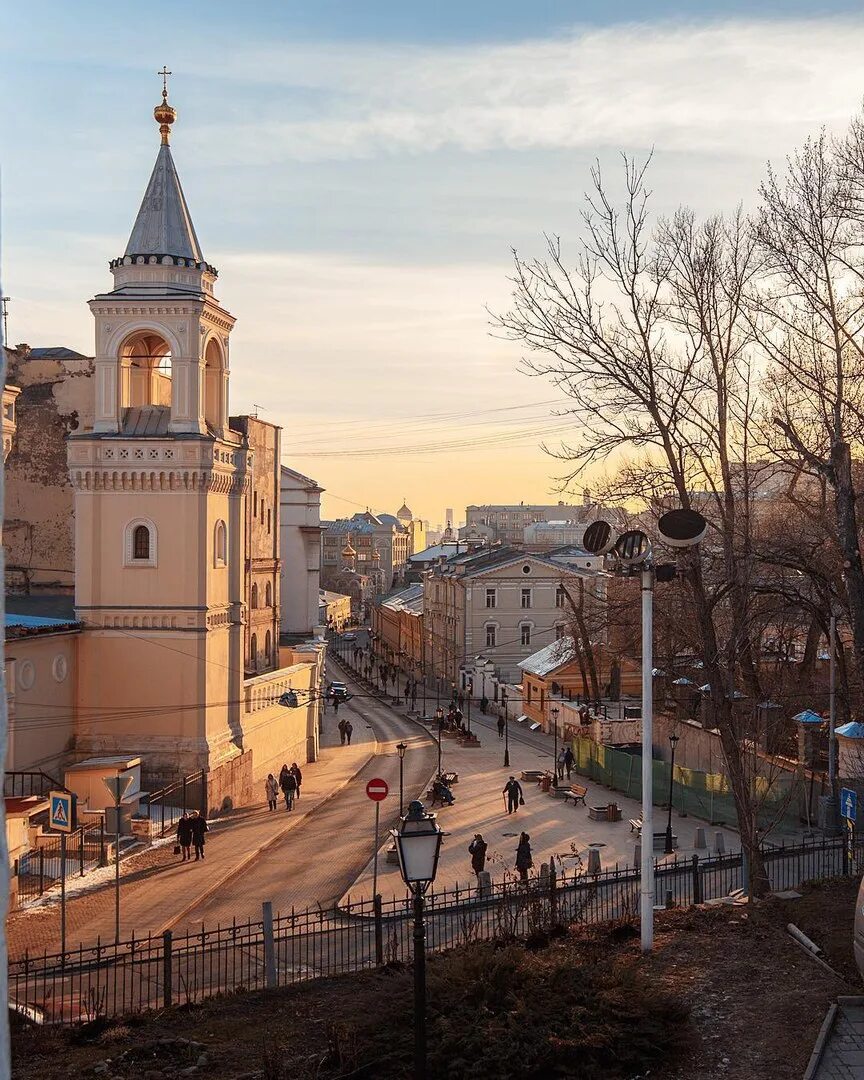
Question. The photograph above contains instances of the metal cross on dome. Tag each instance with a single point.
(165, 73)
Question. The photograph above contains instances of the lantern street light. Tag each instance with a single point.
(400, 750)
(418, 845)
(439, 716)
(555, 711)
(628, 555)
(670, 847)
(470, 688)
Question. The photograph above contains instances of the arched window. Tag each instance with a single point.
(139, 543)
(214, 387)
(268, 593)
(220, 544)
(268, 645)
(149, 358)
(254, 596)
(269, 525)
(253, 652)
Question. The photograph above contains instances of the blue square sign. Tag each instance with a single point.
(848, 804)
(61, 814)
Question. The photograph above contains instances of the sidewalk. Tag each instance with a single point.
(157, 889)
(556, 828)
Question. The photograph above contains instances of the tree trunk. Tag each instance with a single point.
(847, 536)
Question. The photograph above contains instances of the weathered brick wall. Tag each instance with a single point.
(230, 785)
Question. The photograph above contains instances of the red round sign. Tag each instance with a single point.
(377, 790)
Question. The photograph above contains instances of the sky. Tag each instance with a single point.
(360, 173)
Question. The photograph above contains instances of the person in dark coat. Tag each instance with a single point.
(524, 861)
(349, 728)
(184, 836)
(569, 761)
(513, 791)
(199, 827)
(288, 783)
(484, 704)
(500, 727)
(298, 778)
(477, 849)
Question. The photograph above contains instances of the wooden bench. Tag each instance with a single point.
(576, 792)
(636, 825)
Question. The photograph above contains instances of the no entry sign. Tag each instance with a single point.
(377, 790)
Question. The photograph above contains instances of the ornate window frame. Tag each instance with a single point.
(129, 559)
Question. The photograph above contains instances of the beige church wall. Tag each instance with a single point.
(41, 686)
(141, 693)
(179, 576)
(276, 734)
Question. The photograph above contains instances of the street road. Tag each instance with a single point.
(317, 861)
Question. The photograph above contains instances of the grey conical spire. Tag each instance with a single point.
(164, 224)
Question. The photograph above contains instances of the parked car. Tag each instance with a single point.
(349, 637)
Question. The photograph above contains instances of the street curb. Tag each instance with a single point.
(205, 896)
(821, 1040)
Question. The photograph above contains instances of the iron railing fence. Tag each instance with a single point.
(290, 947)
(40, 868)
(168, 804)
(21, 785)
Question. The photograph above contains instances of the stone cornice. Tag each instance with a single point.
(158, 479)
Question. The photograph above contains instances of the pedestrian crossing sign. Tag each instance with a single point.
(61, 815)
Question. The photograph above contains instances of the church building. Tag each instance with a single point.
(175, 507)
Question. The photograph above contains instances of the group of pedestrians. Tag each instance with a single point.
(565, 762)
(478, 849)
(190, 833)
(288, 783)
(346, 729)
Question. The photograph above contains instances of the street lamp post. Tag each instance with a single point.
(470, 689)
(400, 750)
(418, 845)
(555, 712)
(506, 730)
(439, 716)
(631, 554)
(670, 847)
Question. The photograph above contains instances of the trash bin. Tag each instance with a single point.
(545, 783)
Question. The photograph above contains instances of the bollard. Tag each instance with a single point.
(637, 855)
(700, 844)
(593, 861)
(484, 883)
(720, 843)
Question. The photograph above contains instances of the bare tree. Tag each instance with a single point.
(648, 335)
(810, 319)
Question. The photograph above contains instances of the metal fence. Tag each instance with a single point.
(784, 800)
(40, 868)
(166, 806)
(278, 950)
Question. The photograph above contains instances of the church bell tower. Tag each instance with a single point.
(159, 486)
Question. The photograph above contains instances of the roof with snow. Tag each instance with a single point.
(554, 656)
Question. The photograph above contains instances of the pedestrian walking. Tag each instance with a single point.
(513, 793)
(460, 698)
(500, 727)
(569, 761)
(524, 861)
(561, 763)
(484, 704)
(271, 787)
(342, 724)
(298, 777)
(477, 849)
(289, 786)
(184, 837)
(349, 728)
(199, 827)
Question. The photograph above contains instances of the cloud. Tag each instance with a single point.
(742, 86)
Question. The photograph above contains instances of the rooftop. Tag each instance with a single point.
(547, 660)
